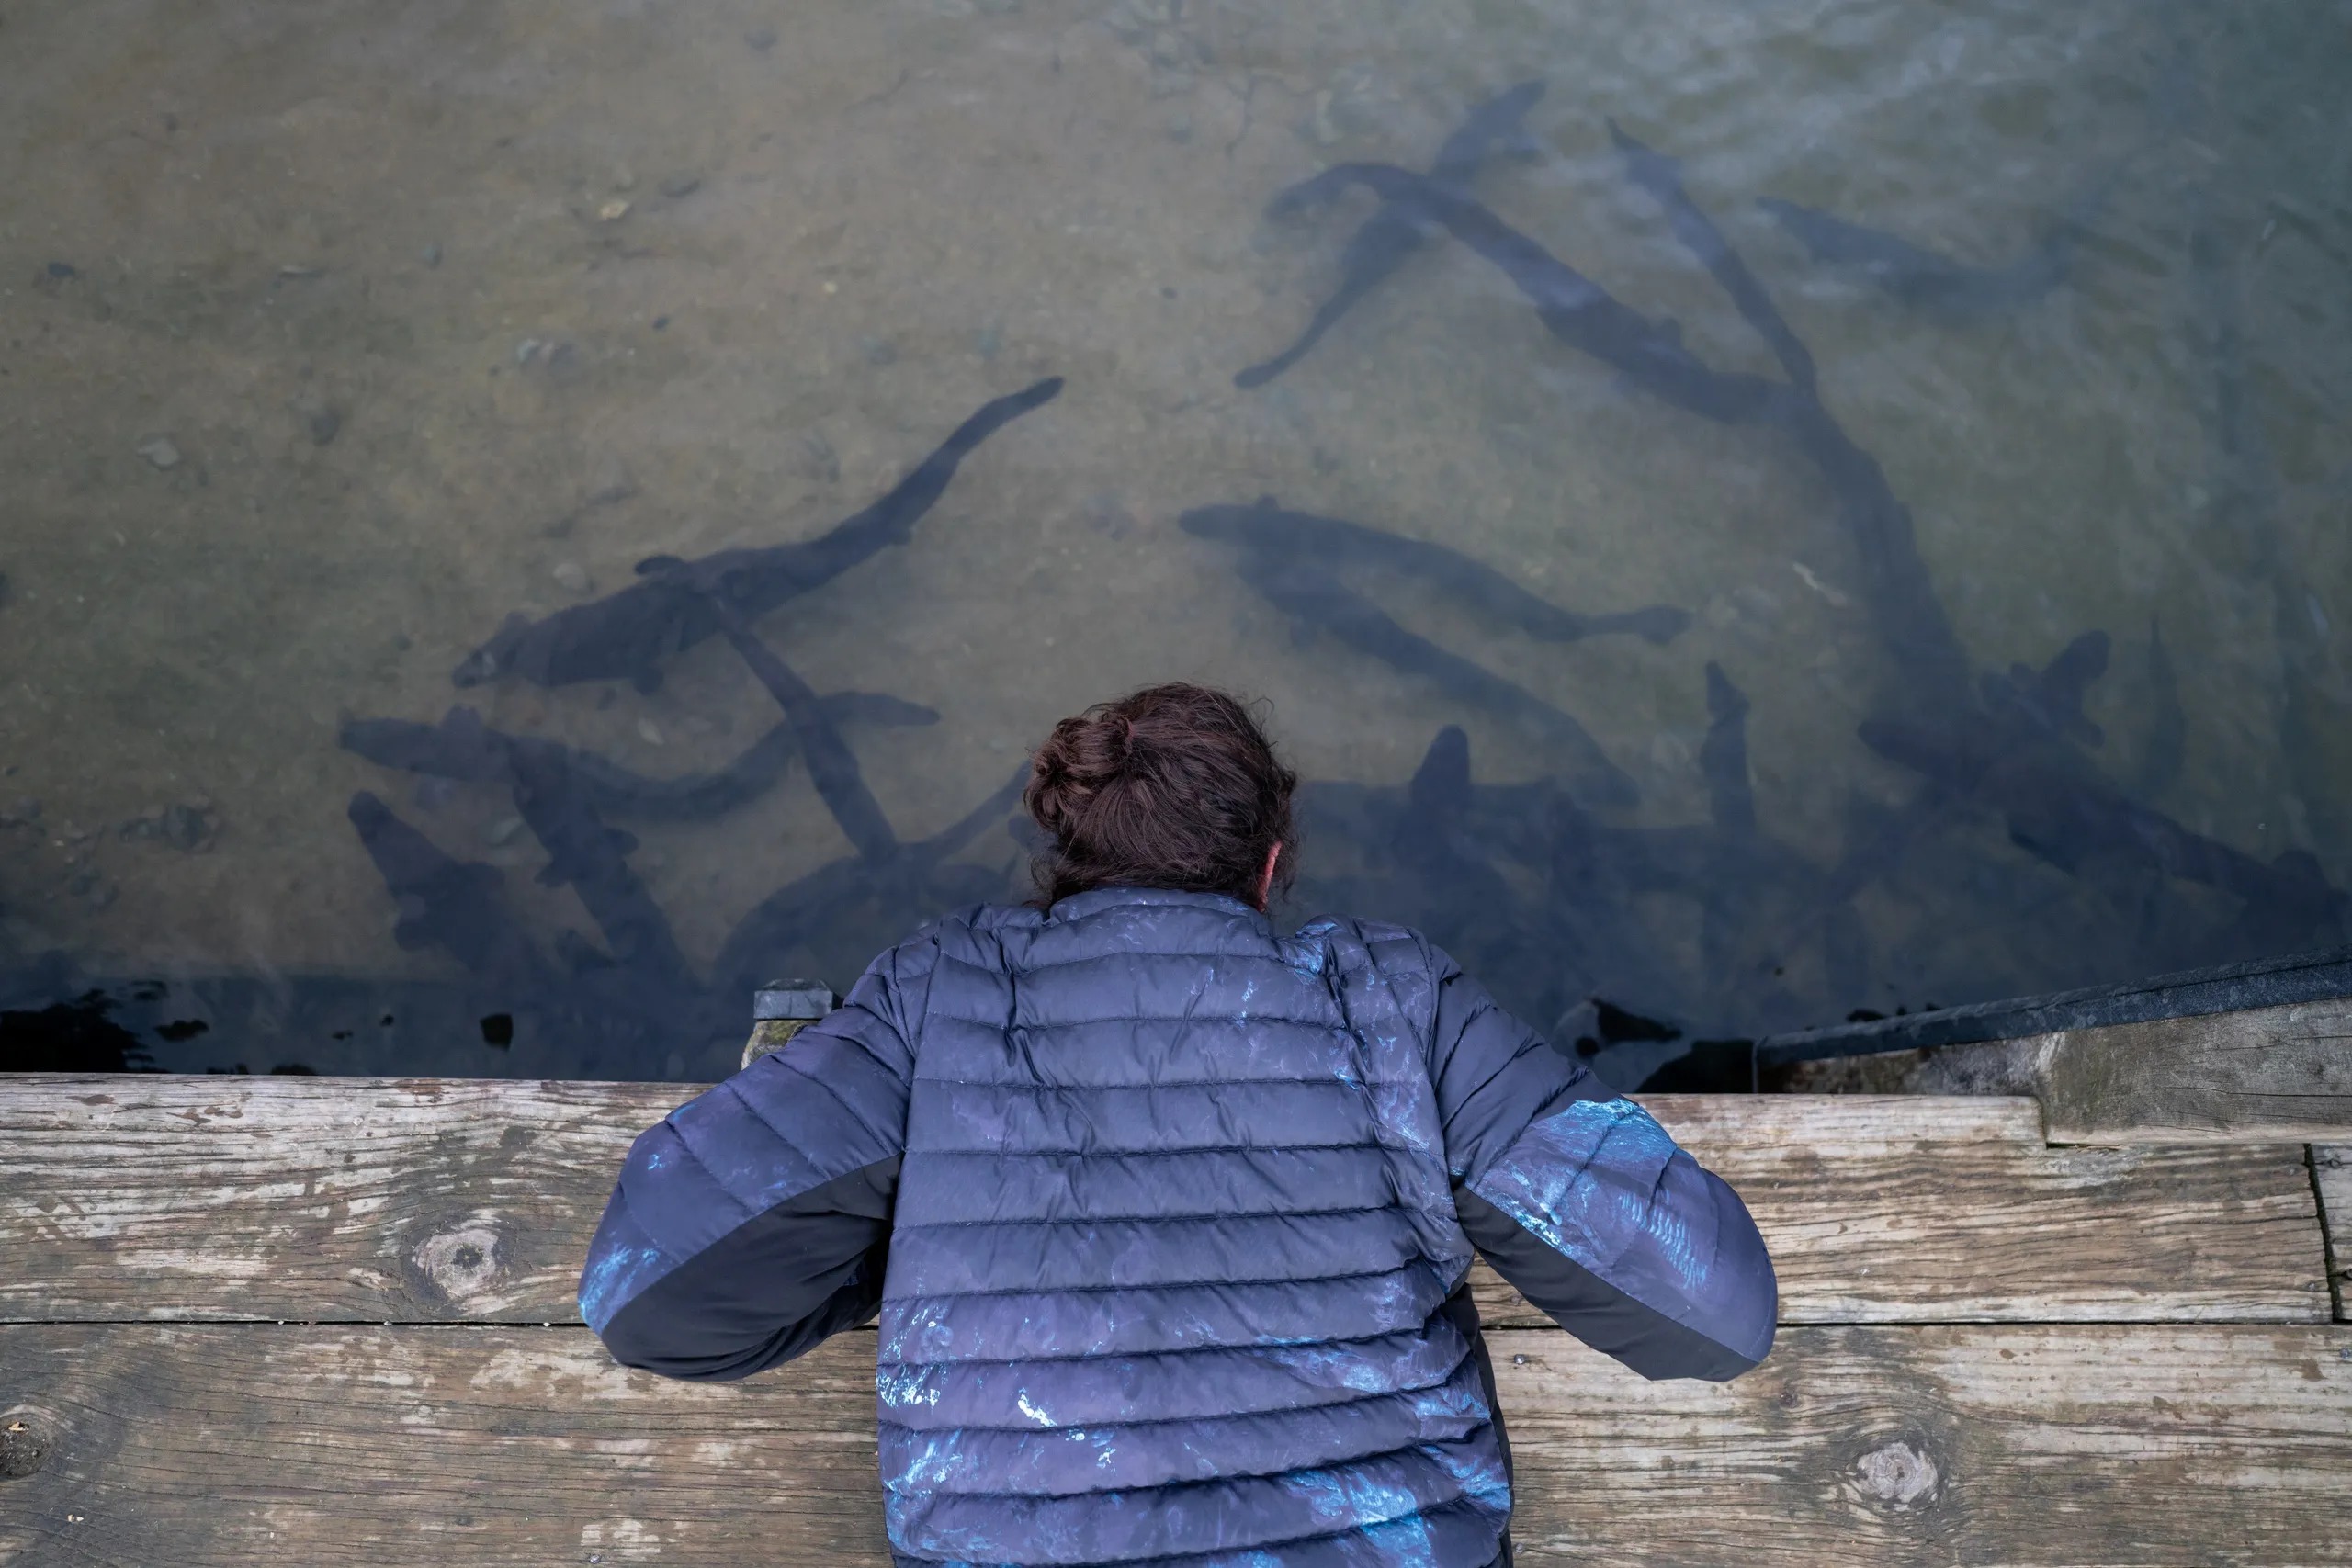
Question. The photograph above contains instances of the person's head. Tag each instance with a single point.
(1175, 786)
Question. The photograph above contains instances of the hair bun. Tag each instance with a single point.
(1083, 757)
(1172, 787)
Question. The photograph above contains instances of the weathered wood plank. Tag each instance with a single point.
(2270, 1074)
(472, 1200)
(2331, 1173)
(1948, 1445)
(1980, 1444)
(1894, 1208)
(130, 1196)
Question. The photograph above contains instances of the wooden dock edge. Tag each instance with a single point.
(496, 1446)
(1998, 1349)
(2276, 1073)
(152, 1198)
(2331, 1180)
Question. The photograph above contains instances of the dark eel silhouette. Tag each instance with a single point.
(559, 806)
(2063, 810)
(1921, 278)
(1574, 309)
(639, 996)
(2008, 752)
(624, 636)
(1662, 177)
(1723, 756)
(1395, 232)
(1938, 285)
(913, 877)
(1311, 592)
(1902, 598)
(462, 747)
(1958, 292)
(593, 859)
(1266, 525)
(1910, 618)
(833, 766)
(449, 904)
(2051, 698)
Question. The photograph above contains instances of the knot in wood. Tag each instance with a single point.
(24, 1446)
(462, 1261)
(1897, 1473)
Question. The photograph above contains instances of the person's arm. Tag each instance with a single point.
(1584, 1203)
(754, 1221)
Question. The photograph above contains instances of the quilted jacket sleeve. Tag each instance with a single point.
(754, 1221)
(1585, 1204)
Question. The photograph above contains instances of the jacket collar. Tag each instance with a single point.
(1079, 905)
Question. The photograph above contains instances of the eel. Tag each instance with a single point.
(625, 635)
(1394, 232)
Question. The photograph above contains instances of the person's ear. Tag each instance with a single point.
(1266, 877)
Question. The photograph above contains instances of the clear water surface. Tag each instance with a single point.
(332, 334)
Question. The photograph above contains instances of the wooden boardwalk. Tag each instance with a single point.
(331, 1322)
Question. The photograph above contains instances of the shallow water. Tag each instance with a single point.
(334, 333)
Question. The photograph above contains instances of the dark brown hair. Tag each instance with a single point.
(1175, 786)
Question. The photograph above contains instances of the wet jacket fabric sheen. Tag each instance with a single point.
(1168, 1219)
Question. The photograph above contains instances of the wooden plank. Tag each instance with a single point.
(1962, 1444)
(2331, 1173)
(2271, 1074)
(1896, 1208)
(136, 1195)
(473, 1199)
(2046, 1445)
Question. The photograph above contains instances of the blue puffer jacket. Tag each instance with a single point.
(1168, 1219)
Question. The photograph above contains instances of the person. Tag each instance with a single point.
(1168, 1216)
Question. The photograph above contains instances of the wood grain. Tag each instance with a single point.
(205, 1444)
(2331, 1173)
(1977, 1445)
(353, 1200)
(1897, 1208)
(367, 1199)
(2268, 1074)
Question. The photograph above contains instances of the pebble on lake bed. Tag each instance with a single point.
(652, 736)
(160, 451)
(548, 352)
(679, 186)
(319, 418)
(502, 832)
(571, 577)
